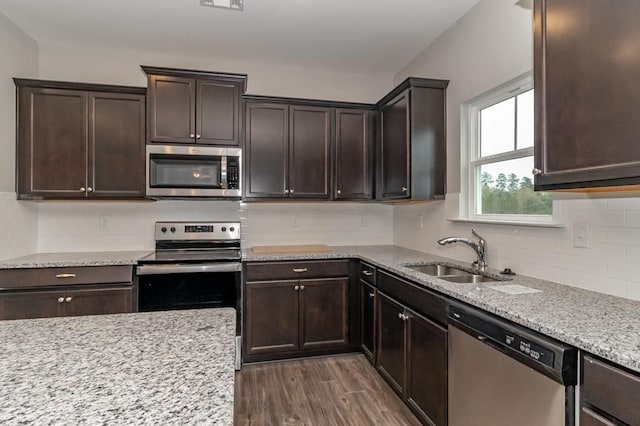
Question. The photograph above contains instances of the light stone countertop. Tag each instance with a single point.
(57, 260)
(604, 325)
(154, 368)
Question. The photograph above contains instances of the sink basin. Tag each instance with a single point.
(468, 279)
(437, 270)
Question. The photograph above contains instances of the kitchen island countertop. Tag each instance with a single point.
(172, 367)
(605, 325)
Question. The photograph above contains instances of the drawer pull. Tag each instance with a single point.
(299, 270)
(60, 299)
(296, 288)
(65, 275)
(372, 295)
(302, 287)
(68, 299)
(367, 273)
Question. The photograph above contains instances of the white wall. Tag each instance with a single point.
(487, 47)
(18, 221)
(100, 65)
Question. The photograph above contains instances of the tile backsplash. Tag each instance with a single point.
(611, 263)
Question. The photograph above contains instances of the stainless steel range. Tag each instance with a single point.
(195, 265)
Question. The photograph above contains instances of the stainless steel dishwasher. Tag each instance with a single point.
(501, 374)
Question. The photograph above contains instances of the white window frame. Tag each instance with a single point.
(470, 176)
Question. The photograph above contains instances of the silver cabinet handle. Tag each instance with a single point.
(536, 172)
(65, 275)
(299, 270)
(339, 192)
(197, 136)
(89, 189)
(68, 299)
(191, 135)
(60, 299)
(372, 295)
(83, 189)
(400, 315)
(367, 273)
(302, 287)
(404, 189)
(296, 288)
(286, 191)
(291, 191)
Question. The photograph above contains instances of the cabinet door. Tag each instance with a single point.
(394, 151)
(367, 320)
(309, 152)
(271, 317)
(172, 109)
(587, 94)
(324, 313)
(353, 178)
(32, 304)
(266, 150)
(591, 418)
(218, 112)
(116, 145)
(426, 387)
(52, 143)
(98, 301)
(391, 342)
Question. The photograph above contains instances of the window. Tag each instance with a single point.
(500, 156)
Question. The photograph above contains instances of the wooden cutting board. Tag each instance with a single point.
(306, 248)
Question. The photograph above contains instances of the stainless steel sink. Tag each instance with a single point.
(437, 270)
(468, 279)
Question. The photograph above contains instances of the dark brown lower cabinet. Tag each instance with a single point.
(67, 302)
(412, 357)
(609, 394)
(293, 317)
(367, 319)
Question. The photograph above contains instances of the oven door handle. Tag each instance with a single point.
(188, 268)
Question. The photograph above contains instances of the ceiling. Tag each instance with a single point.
(361, 36)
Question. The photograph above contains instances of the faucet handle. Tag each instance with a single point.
(474, 232)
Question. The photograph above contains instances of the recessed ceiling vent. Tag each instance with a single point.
(225, 4)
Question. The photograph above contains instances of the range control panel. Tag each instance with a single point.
(188, 231)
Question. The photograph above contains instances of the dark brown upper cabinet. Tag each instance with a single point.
(586, 94)
(353, 178)
(287, 151)
(412, 143)
(306, 149)
(79, 140)
(189, 107)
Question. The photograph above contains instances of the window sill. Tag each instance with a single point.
(509, 223)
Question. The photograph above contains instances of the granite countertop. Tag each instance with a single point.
(173, 367)
(604, 325)
(58, 260)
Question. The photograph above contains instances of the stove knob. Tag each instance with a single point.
(224, 229)
(232, 229)
(173, 229)
(164, 229)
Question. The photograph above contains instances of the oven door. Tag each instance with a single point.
(187, 171)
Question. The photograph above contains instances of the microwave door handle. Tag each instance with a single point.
(223, 172)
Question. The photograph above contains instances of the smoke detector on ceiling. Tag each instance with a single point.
(225, 4)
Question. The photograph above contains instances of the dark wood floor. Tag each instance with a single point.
(338, 390)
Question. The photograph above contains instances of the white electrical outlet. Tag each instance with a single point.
(104, 222)
(581, 235)
(420, 221)
(294, 221)
(363, 220)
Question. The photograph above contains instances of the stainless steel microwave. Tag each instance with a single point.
(175, 171)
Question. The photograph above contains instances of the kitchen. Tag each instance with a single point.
(493, 39)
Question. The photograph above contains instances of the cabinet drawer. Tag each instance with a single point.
(417, 298)
(47, 277)
(589, 418)
(368, 273)
(296, 270)
(611, 389)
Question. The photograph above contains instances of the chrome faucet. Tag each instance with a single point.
(480, 248)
